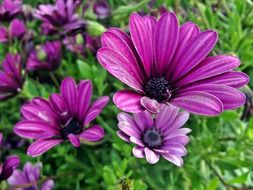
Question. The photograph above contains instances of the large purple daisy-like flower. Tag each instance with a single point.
(59, 17)
(9, 165)
(45, 57)
(28, 179)
(61, 118)
(11, 80)
(9, 9)
(158, 136)
(165, 63)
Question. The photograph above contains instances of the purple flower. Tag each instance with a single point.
(158, 136)
(11, 81)
(167, 64)
(45, 57)
(60, 16)
(29, 179)
(102, 9)
(9, 9)
(61, 118)
(9, 165)
(16, 29)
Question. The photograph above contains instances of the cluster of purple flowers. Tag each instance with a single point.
(166, 66)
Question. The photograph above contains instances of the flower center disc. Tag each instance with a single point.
(72, 127)
(152, 138)
(158, 89)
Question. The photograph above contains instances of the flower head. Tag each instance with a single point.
(155, 137)
(66, 116)
(9, 9)
(16, 30)
(165, 63)
(11, 80)
(29, 178)
(9, 165)
(60, 17)
(45, 57)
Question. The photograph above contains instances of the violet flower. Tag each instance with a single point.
(9, 165)
(167, 64)
(11, 81)
(66, 116)
(29, 178)
(16, 29)
(45, 57)
(158, 136)
(9, 9)
(102, 9)
(60, 17)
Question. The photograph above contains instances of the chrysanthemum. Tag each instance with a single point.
(158, 136)
(29, 178)
(65, 116)
(11, 80)
(165, 63)
(9, 165)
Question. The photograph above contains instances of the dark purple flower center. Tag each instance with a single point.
(158, 89)
(73, 126)
(152, 138)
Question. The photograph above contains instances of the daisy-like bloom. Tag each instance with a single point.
(9, 9)
(16, 30)
(45, 57)
(28, 179)
(157, 136)
(65, 116)
(165, 63)
(9, 165)
(60, 17)
(11, 80)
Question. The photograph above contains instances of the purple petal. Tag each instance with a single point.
(181, 139)
(197, 102)
(10, 164)
(128, 120)
(41, 146)
(84, 97)
(175, 149)
(151, 156)
(150, 23)
(142, 41)
(210, 67)
(48, 185)
(74, 140)
(144, 120)
(92, 134)
(128, 101)
(58, 104)
(194, 52)
(128, 129)
(165, 41)
(138, 152)
(136, 141)
(69, 93)
(17, 28)
(150, 104)
(231, 98)
(123, 136)
(34, 129)
(176, 160)
(118, 66)
(1, 139)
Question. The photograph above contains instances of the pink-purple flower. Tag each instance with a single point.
(16, 30)
(65, 116)
(102, 9)
(45, 57)
(9, 9)
(29, 178)
(60, 17)
(164, 63)
(156, 136)
(8, 166)
(11, 80)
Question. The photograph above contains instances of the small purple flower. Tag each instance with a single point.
(102, 9)
(11, 80)
(16, 29)
(9, 165)
(61, 118)
(9, 9)
(60, 17)
(167, 64)
(45, 57)
(157, 136)
(28, 179)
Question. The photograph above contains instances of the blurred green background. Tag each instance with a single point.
(220, 154)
